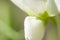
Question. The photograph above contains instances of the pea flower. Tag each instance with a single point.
(37, 8)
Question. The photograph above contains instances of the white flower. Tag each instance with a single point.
(37, 7)
(34, 29)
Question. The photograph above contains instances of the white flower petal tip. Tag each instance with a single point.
(34, 29)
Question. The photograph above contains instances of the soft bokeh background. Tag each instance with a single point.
(11, 21)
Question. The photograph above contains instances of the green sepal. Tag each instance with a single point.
(45, 17)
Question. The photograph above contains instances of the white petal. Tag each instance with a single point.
(37, 7)
(58, 4)
(31, 6)
(34, 29)
(52, 8)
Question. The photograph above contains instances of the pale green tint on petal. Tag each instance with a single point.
(34, 29)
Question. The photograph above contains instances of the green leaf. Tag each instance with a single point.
(44, 17)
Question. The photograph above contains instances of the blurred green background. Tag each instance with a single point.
(11, 21)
